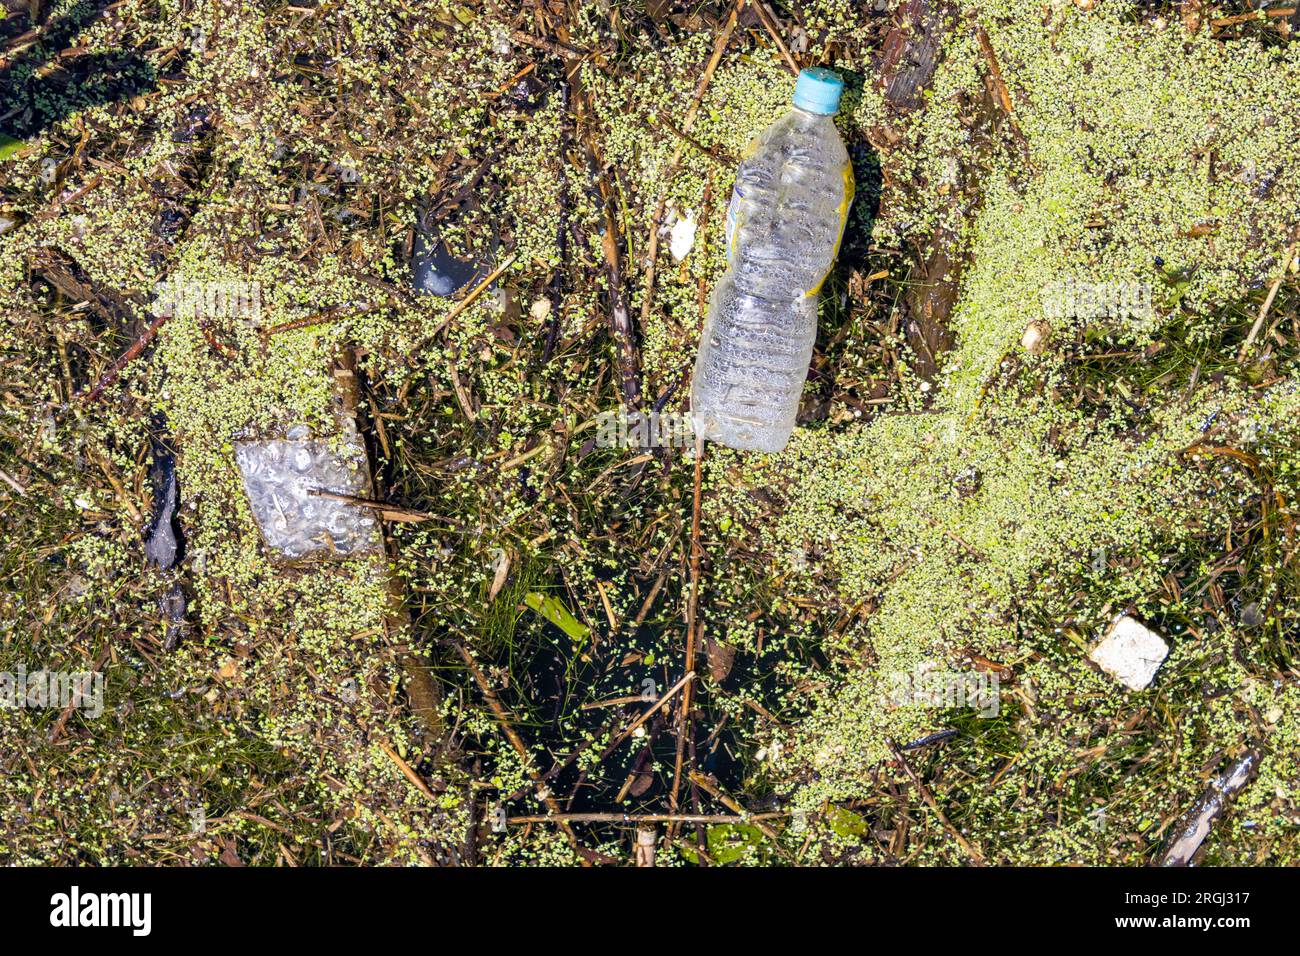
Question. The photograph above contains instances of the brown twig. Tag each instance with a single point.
(995, 71)
(688, 123)
(612, 745)
(568, 128)
(910, 53)
(308, 321)
(638, 769)
(631, 728)
(469, 300)
(507, 728)
(110, 306)
(1277, 12)
(650, 599)
(692, 605)
(637, 818)
(477, 291)
(81, 192)
(707, 784)
(905, 69)
(718, 155)
(125, 359)
(975, 855)
(387, 512)
(668, 695)
(561, 50)
(421, 689)
(13, 483)
(556, 769)
(620, 318)
(416, 780)
(613, 702)
(79, 694)
(1272, 294)
(768, 19)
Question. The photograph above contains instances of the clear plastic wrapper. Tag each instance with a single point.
(282, 478)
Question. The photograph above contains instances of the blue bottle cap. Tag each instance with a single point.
(818, 91)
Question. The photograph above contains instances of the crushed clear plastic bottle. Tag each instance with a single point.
(784, 225)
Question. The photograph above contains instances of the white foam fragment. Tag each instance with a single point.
(683, 237)
(1131, 653)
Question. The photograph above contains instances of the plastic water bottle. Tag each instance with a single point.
(784, 226)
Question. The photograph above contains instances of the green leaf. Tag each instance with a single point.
(846, 823)
(727, 842)
(555, 612)
(9, 146)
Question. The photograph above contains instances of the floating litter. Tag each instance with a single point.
(281, 478)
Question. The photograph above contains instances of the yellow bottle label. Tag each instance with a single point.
(850, 187)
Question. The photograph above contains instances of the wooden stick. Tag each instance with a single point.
(995, 71)
(386, 511)
(612, 702)
(769, 22)
(620, 317)
(511, 82)
(721, 157)
(683, 722)
(1278, 12)
(650, 599)
(976, 857)
(79, 694)
(638, 818)
(421, 689)
(318, 318)
(613, 745)
(477, 291)
(707, 784)
(638, 767)
(652, 251)
(12, 482)
(658, 705)
(125, 359)
(631, 728)
(561, 50)
(408, 771)
(1268, 301)
(507, 728)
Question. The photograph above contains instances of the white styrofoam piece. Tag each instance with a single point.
(1131, 653)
